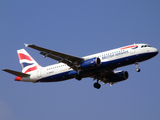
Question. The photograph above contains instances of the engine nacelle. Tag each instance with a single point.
(90, 63)
(119, 76)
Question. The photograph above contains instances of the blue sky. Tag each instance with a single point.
(79, 28)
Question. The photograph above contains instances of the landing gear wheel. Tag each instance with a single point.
(78, 77)
(138, 70)
(137, 65)
(97, 85)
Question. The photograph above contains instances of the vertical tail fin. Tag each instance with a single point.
(28, 64)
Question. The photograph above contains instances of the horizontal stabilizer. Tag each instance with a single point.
(16, 73)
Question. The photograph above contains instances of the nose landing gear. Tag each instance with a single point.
(137, 67)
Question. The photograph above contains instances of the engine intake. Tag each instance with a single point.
(119, 76)
(90, 63)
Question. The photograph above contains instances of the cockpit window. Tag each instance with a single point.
(145, 46)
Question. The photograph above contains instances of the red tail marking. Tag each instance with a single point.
(23, 56)
(31, 69)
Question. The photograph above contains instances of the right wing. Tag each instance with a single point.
(16, 73)
(70, 60)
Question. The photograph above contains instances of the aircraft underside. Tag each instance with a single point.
(98, 66)
(102, 69)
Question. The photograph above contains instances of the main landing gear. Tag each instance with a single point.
(97, 85)
(137, 67)
(78, 77)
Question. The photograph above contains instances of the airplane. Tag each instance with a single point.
(99, 66)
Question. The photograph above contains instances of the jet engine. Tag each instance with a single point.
(118, 76)
(90, 63)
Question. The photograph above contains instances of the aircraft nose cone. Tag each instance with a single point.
(155, 51)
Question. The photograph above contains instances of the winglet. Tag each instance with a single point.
(26, 45)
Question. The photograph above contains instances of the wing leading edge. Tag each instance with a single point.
(70, 60)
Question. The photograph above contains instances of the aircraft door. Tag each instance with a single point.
(132, 51)
(39, 75)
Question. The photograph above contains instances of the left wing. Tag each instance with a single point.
(71, 61)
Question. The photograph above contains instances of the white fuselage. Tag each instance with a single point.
(121, 56)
